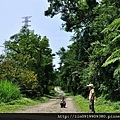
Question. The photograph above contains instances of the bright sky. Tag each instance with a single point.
(11, 13)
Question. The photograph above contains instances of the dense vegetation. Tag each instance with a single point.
(94, 55)
(8, 91)
(28, 62)
(101, 106)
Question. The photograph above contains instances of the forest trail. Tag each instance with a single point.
(52, 106)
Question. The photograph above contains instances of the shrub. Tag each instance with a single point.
(8, 91)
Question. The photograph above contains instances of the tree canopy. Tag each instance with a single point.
(28, 61)
(93, 57)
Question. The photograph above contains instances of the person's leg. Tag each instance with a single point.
(61, 105)
(64, 105)
(92, 107)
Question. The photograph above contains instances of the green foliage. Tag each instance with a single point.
(28, 83)
(53, 93)
(81, 103)
(24, 78)
(8, 91)
(101, 105)
(107, 106)
(115, 56)
(113, 26)
(28, 61)
(75, 13)
(21, 103)
(95, 43)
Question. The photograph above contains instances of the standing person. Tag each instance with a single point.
(91, 98)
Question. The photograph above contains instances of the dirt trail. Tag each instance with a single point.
(52, 106)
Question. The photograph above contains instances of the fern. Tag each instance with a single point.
(116, 38)
(116, 54)
(113, 58)
(113, 26)
(117, 71)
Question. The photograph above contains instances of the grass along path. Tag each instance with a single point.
(101, 105)
(20, 104)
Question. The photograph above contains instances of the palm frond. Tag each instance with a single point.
(117, 71)
(116, 38)
(113, 26)
(113, 58)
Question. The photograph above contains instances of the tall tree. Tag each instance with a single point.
(87, 19)
(31, 52)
